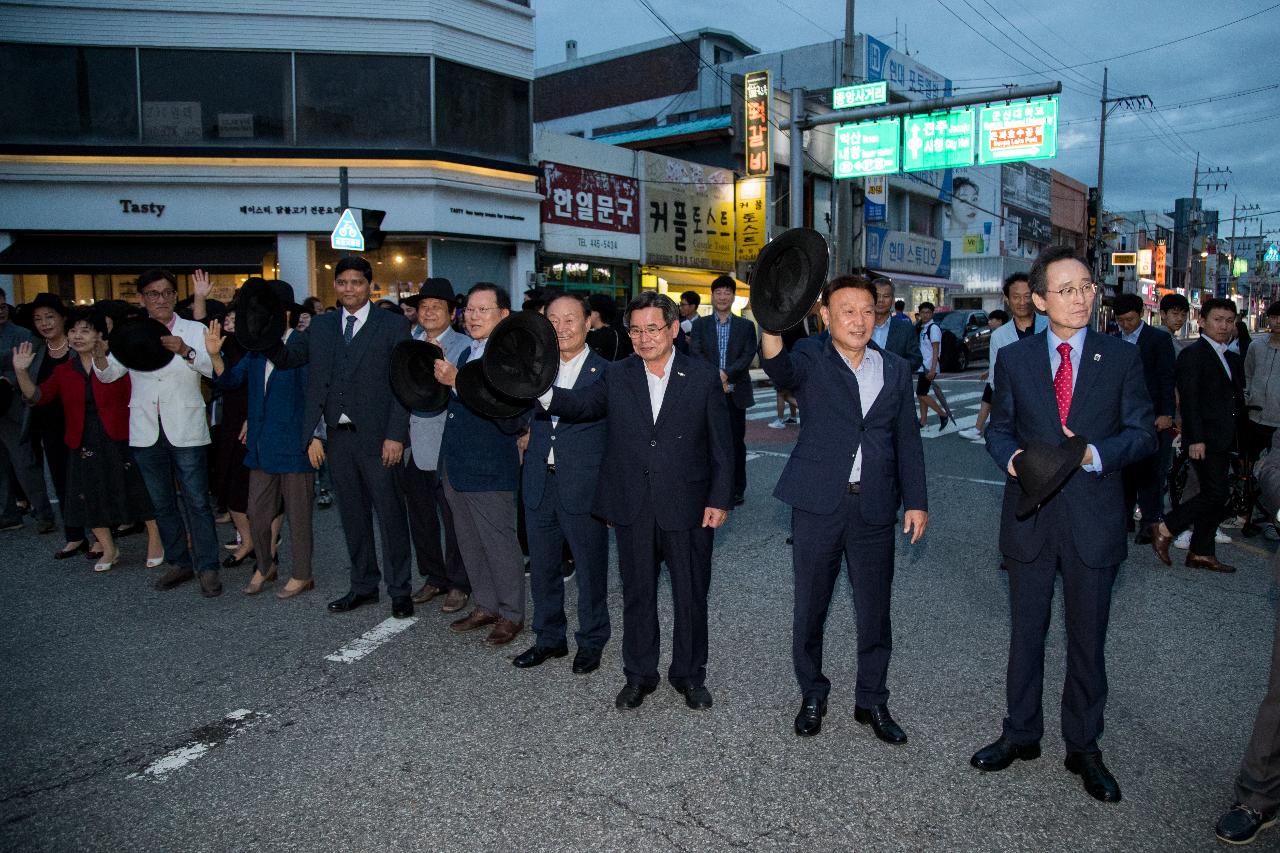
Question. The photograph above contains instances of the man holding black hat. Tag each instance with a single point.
(349, 392)
(1066, 382)
(480, 466)
(443, 571)
(728, 343)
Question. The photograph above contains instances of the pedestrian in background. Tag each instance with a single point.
(1025, 321)
(19, 473)
(930, 343)
(606, 337)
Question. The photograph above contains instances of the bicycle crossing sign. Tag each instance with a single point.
(346, 236)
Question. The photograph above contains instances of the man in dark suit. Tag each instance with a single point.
(349, 392)
(480, 466)
(897, 338)
(665, 485)
(561, 466)
(858, 460)
(1060, 382)
(1210, 380)
(1142, 481)
(728, 343)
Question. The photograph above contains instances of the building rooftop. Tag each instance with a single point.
(692, 36)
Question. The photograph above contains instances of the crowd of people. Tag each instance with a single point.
(160, 416)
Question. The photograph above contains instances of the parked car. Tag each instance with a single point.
(965, 337)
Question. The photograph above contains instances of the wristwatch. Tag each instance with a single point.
(190, 355)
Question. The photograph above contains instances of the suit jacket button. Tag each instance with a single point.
(451, 414)
(645, 472)
(553, 438)
(653, 443)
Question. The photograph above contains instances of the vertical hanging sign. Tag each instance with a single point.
(759, 157)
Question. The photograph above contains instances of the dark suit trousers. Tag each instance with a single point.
(642, 546)
(364, 486)
(424, 496)
(1142, 483)
(1203, 512)
(738, 425)
(486, 526)
(867, 549)
(550, 527)
(1258, 785)
(1086, 598)
(268, 493)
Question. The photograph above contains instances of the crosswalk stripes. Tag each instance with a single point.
(964, 405)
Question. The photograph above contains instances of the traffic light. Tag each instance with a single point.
(371, 228)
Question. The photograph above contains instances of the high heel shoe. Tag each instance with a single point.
(232, 561)
(155, 562)
(256, 586)
(65, 552)
(107, 565)
(288, 592)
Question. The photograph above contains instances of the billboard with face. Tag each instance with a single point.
(972, 221)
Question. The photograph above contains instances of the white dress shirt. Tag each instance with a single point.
(566, 377)
(658, 385)
(1221, 350)
(870, 378)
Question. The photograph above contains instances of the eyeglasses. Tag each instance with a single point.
(474, 311)
(157, 294)
(1085, 290)
(647, 331)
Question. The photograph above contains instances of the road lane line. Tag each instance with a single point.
(201, 742)
(371, 639)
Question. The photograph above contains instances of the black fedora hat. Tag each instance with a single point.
(522, 356)
(413, 378)
(788, 278)
(1043, 469)
(432, 288)
(135, 342)
(260, 315)
(481, 397)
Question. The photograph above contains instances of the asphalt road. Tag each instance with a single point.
(148, 721)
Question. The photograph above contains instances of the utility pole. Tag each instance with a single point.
(1195, 215)
(1109, 105)
(850, 221)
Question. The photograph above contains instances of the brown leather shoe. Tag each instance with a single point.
(454, 601)
(295, 587)
(504, 632)
(1195, 561)
(428, 592)
(1160, 544)
(475, 619)
(259, 582)
(173, 577)
(210, 584)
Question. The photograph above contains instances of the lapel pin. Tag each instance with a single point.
(1097, 356)
(593, 370)
(678, 373)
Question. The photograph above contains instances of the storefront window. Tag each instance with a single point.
(583, 278)
(479, 112)
(399, 268)
(203, 97)
(88, 288)
(364, 101)
(61, 94)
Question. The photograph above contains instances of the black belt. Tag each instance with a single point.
(347, 427)
(551, 469)
(855, 488)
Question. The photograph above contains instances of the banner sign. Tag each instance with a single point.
(750, 211)
(875, 202)
(689, 214)
(759, 159)
(1026, 131)
(868, 148)
(938, 141)
(1146, 260)
(1161, 251)
(862, 95)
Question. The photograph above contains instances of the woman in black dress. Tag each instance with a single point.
(103, 485)
(230, 478)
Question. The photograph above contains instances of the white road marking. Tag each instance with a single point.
(202, 741)
(370, 640)
(960, 398)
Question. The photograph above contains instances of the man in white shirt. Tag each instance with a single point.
(931, 363)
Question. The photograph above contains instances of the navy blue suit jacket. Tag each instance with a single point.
(579, 446)
(1110, 408)
(1158, 358)
(478, 454)
(816, 476)
(680, 465)
(275, 441)
(741, 349)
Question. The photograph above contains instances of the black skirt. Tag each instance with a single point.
(104, 485)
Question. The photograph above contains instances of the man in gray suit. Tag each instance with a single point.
(1258, 783)
(729, 343)
(349, 392)
(897, 338)
(443, 571)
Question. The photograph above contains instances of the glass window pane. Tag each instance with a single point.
(364, 101)
(399, 268)
(214, 97)
(64, 94)
(478, 112)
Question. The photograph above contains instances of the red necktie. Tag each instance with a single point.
(1062, 381)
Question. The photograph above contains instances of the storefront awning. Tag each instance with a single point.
(919, 280)
(45, 254)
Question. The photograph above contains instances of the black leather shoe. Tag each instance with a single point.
(232, 561)
(352, 600)
(401, 606)
(696, 696)
(537, 655)
(1241, 824)
(1002, 753)
(881, 723)
(1097, 779)
(586, 660)
(632, 696)
(809, 720)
